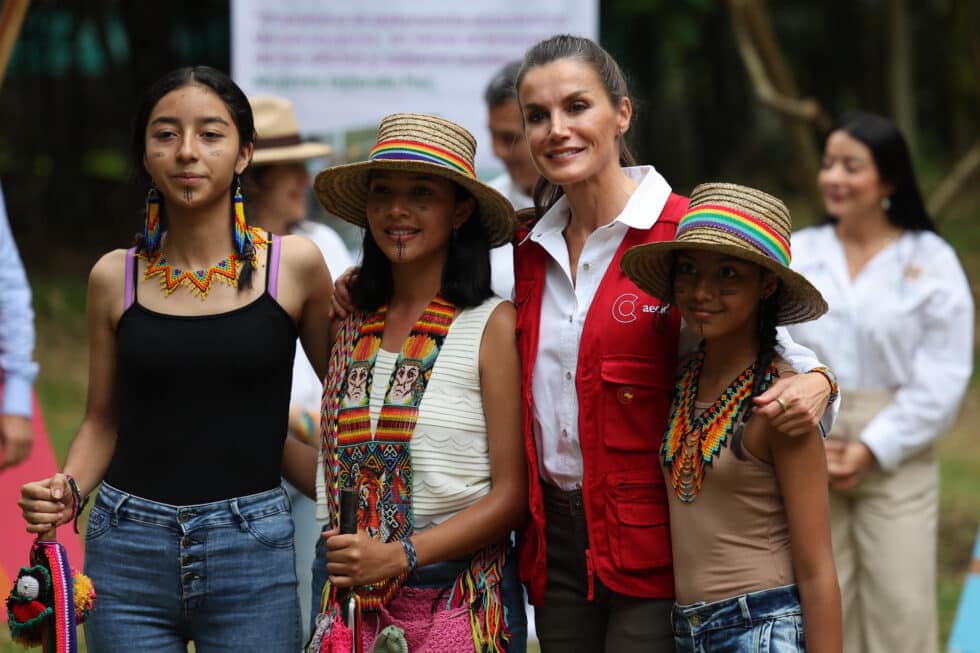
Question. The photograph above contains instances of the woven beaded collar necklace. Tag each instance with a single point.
(691, 443)
(199, 281)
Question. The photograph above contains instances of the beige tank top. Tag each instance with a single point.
(734, 537)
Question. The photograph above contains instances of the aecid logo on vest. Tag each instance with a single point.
(625, 307)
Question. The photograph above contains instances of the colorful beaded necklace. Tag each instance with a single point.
(199, 281)
(692, 442)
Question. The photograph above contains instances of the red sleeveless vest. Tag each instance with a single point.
(626, 373)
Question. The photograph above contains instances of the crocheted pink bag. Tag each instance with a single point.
(418, 616)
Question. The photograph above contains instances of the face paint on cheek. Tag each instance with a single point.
(217, 153)
(157, 155)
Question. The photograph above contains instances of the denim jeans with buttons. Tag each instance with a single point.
(765, 621)
(221, 574)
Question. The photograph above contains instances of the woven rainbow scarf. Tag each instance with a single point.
(379, 464)
(693, 442)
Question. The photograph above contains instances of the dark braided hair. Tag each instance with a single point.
(766, 334)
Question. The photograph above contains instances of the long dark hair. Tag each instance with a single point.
(766, 336)
(590, 53)
(465, 277)
(241, 114)
(894, 164)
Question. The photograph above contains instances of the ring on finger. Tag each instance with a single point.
(782, 404)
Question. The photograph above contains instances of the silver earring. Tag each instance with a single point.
(886, 203)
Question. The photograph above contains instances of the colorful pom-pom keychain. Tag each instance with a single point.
(49, 599)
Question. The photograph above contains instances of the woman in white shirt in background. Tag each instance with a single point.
(899, 335)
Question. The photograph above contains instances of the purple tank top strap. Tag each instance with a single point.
(130, 288)
(272, 278)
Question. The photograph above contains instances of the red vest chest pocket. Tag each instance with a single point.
(635, 402)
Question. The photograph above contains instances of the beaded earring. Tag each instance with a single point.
(152, 232)
(239, 229)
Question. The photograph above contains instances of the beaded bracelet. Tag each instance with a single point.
(831, 379)
(409, 550)
(77, 502)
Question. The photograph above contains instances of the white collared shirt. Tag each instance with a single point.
(502, 257)
(904, 324)
(563, 311)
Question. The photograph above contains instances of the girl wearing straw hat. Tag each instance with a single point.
(753, 566)
(599, 364)
(439, 476)
(190, 536)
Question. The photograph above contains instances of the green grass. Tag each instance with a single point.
(62, 352)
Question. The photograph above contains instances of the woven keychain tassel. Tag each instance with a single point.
(152, 232)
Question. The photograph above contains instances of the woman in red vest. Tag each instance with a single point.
(596, 554)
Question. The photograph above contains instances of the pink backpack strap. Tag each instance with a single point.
(129, 294)
(272, 277)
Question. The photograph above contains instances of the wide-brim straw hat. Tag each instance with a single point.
(412, 142)
(740, 221)
(277, 138)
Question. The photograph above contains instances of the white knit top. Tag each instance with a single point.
(450, 454)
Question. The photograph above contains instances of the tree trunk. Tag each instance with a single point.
(900, 72)
(774, 86)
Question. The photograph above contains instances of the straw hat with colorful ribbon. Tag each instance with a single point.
(411, 142)
(736, 220)
(277, 133)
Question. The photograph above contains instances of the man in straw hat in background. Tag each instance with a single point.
(277, 187)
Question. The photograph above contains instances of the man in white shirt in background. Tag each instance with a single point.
(517, 183)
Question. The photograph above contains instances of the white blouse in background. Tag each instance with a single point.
(904, 324)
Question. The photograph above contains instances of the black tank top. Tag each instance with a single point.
(203, 400)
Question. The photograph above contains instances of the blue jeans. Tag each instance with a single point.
(220, 574)
(443, 575)
(769, 620)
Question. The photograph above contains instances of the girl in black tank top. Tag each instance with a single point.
(192, 335)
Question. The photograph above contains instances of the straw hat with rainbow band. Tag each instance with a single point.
(740, 221)
(412, 142)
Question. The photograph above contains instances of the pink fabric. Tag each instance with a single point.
(129, 293)
(340, 639)
(273, 278)
(429, 628)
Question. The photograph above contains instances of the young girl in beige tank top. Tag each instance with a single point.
(749, 515)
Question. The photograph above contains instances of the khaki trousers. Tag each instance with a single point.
(884, 535)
